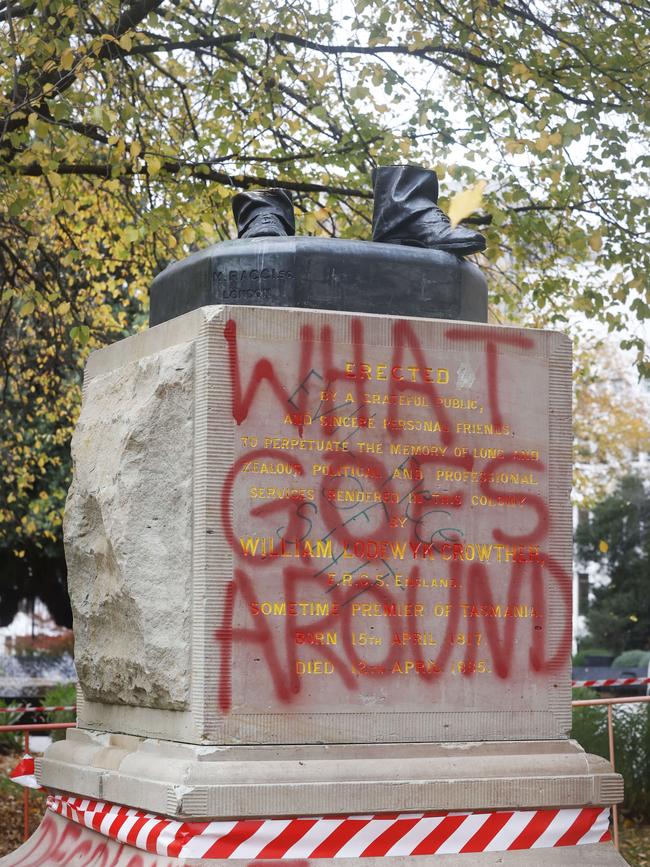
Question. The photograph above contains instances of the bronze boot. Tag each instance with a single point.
(264, 214)
(406, 212)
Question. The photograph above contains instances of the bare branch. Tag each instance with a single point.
(200, 171)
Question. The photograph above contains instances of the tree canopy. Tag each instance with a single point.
(617, 537)
(611, 419)
(125, 128)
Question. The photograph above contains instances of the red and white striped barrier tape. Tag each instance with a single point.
(397, 834)
(24, 774)
(39, 709)
(613, 681)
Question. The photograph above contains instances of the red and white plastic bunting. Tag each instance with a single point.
(397, 834)
(24, 774)
(38, 708)
(613, 681)
(364, 836)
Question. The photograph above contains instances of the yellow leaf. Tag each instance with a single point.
(126, 41)
(634, 618)
(135, 149)
(417, 40)
(188, 235)
(67, 59)
(603, 547)
(542, 142)
(521, 71)
(27, 308)
(596, 241)
(405, 147)
(465, 203)
(153, 165)
(41, 128)
(513, 146)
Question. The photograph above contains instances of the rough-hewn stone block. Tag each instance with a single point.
(128, 531)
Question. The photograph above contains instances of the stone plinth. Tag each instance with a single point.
(297, 527)
(190, 782)
(320, 563)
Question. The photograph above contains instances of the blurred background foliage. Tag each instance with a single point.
(631, 746)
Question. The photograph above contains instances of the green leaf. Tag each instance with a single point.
(80, 334)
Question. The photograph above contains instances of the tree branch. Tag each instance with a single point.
(350, 48)
(60, 81)
(198, 171)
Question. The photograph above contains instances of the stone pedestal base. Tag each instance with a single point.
(59, 841)
(187, 781)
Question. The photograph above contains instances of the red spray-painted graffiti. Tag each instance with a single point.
(367, 510)
(59, 841)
